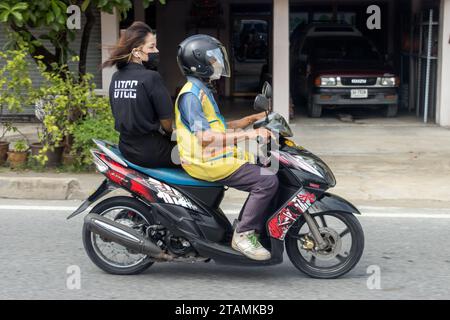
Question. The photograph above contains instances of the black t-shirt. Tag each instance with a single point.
(139, 100)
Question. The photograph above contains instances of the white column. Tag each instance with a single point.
(110, 36)
(443, 82)
(281, 57)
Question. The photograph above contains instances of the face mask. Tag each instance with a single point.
(217, 71)
(152, 62)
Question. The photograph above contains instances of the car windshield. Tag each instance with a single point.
(340, 48)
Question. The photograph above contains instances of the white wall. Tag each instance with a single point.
(443, 92)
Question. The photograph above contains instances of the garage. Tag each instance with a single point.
(411, 36)
(368, 40)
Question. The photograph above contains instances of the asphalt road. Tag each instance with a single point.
(408, 246)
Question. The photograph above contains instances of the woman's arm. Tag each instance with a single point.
(161, 101)
(166, 124)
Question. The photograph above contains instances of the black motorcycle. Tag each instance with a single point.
(170, 216)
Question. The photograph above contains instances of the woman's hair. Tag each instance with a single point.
(133, 37)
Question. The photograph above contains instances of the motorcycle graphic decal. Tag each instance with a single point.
(280, 222)
(144, 186)
(170, 195)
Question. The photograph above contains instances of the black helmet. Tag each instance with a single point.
(203, 56)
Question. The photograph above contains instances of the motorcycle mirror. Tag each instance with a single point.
(267, 90)
(261, 103)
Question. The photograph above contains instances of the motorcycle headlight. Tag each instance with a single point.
(389, 82)
(308, 165)
(327, 81)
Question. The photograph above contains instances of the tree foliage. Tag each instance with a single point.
(24, 17)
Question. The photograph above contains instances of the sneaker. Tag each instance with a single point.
(248, 244)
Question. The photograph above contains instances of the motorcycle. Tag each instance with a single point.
(170, 216)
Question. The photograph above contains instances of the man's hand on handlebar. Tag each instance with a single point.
(261, 133)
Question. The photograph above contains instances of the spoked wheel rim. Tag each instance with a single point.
(339, 235)
(115, 254)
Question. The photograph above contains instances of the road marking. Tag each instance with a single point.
(38, 208)
(373, 214)
(384, 215)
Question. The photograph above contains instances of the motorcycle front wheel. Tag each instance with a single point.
(345, 245)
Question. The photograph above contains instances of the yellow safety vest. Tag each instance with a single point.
(206, 163)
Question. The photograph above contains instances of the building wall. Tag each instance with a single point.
(171, 26)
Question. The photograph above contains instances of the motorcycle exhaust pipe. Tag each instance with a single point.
(123, 235)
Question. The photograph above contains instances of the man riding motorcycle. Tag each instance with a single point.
(207, 144)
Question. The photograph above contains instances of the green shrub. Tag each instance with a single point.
(64, 102)
(98, 125)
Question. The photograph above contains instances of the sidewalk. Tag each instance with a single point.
(382, 162)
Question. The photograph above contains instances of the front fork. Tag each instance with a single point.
(314, 228)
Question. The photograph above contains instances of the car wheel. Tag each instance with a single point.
(314, 110)
(391, 111)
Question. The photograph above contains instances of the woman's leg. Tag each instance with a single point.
(151, 151)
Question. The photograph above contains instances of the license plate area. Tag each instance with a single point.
(359, 93)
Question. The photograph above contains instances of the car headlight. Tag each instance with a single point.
(389, 82)
(327, 81)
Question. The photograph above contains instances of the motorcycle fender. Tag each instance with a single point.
(105, 188)
(332, 202)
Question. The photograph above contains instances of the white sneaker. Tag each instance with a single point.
(248, 244)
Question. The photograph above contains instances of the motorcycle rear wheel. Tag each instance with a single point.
(127, 209)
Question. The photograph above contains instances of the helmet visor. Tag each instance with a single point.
(219, 59)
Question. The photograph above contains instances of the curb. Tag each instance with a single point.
(40, 188)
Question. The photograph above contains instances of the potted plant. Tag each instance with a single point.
(48, 150)
(4, 145)
(16, 90)
(62, 100)
(17, 157)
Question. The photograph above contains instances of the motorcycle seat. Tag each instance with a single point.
(174, 176)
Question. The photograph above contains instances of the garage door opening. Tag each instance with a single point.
(364, 59)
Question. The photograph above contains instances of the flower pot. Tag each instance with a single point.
(4, 146)
(17, 159)
(68, 159)
(54, 157)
